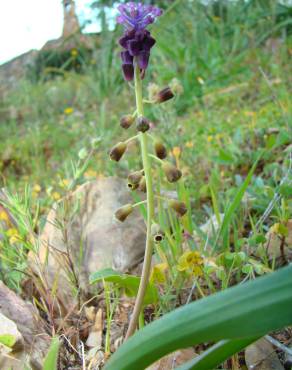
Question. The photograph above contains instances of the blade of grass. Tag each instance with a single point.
(228, 215)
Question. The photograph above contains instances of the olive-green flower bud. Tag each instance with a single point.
(142, 185)
(164, 95)
(172, 173)
(157, 233)
(122, 213)
(127, 121)
(117, 151)
(142, 124)
(179, 207)
(160, 149)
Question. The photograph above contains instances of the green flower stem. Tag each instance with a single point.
(156, 158)
(150, 210)
(139, 203)
(132, 138)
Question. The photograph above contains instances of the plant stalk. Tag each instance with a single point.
(150, 210)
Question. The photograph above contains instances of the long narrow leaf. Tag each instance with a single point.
(216, 354)
(244, 311)
(51, 359)
(236, 202)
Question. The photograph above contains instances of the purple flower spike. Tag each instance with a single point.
(136, 40)
(136, 15)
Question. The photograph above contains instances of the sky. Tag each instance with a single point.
(29, 24)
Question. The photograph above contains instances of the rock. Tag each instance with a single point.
(278, 246)
(95, 336)
(173, 360)
(261, 355)
(210, 228)
(25, 317)
(82, 236)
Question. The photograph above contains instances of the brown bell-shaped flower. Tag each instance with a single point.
(164, 95)
(135, 177)
(127, 121)
(122, 213)
(142, 124)
(179, 207)
(172, 173)
(117, 151)
(160, 149)
(157, 233)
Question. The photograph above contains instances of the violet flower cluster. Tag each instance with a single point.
(137, 41)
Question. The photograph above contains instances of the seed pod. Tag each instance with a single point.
(160, 149)
(122, 213)
(117, 151)
(179, 207)
(164, 95)
(157, 233)
(127, 121)
(172, 173)
(142, 185)
(142, 124)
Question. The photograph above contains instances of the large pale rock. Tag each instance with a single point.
(82, 236)
(33, 341)
(261, 355)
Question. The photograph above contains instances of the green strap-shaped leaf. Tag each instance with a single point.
(215, 355)
(245, 311)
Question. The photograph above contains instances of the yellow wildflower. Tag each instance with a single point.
(56, 195)
(64, 183)
(158, 273)
(176, 152)
(4, 216)
(90, 173)
(209, 138)
(68, 111)
(74, 53)
(191, 261)
(13, 235)
(189, 144)
(37, 188)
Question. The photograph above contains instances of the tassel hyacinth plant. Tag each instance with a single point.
(137, 43)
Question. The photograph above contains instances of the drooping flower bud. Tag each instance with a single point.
(157, 233)
(172, 173)
(127, 121)
(179, 207)
(118, 151)
(142, 185)
(143, 124)
(134, 179)
(164, 95)
(122, 213)
(160, 149)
